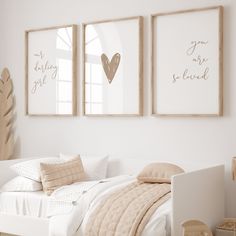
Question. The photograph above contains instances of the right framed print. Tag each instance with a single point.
(187, 62)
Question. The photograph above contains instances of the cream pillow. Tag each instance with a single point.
(31, 169)
(159, 173)
(95, 167)
(21, 184)
(54, 176)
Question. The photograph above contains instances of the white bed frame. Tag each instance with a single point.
(196, 194)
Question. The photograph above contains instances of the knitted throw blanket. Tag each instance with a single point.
(127, 211)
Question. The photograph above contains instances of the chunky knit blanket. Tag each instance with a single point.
(126, 211)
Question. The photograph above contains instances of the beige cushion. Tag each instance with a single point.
(159, 173)
(54, 176)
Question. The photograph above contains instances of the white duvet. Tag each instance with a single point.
(70, 207)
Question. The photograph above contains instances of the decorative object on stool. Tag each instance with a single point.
(227, 228)
(234, 168)
(6, 115)
(196, 228)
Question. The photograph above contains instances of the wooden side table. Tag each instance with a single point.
(227, 228)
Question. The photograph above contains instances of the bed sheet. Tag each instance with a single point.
(34, 204)
(73, 222)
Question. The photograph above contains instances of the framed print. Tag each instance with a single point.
(187, 63)
(51, 71)
(113, 67)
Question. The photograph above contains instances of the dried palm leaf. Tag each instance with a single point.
(6, 115)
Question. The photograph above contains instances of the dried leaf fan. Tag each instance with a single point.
(6, 115)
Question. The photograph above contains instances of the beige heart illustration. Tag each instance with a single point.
(110, 67)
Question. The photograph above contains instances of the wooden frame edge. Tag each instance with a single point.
(152, 63)
(83, 69)
(49, 28)
(111, 20)
(221, 60)
(187, 10)
(74, 70)
(26, 75)
(141, 78)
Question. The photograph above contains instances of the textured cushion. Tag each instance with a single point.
(21, 184)
(95, 167)
(159, 173)
(54, 176)
(31, 169)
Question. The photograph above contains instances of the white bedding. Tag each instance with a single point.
(69, 207)
(33, 204)
(85, 201)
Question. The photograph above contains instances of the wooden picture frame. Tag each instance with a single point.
(114, 59)
(198, 74)
(50, 71)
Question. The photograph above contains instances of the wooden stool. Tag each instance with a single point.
(195, 228)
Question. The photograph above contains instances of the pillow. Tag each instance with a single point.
(159, 173)
(94, 166)
(57, 175)
(31, 169)
(21, 184)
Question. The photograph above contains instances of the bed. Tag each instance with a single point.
(196, 194)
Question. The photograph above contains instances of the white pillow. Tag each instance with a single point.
(94, 166)
(21, 184)
(31, 169)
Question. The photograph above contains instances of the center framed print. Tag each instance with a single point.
(113, 67)
(187, 62)
(51, 71)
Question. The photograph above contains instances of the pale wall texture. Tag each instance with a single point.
(210, 140)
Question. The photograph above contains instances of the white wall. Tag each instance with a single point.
(211, 140)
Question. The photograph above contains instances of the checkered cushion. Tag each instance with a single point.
(54, 176)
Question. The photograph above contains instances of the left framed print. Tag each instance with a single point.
(50, 86)
(113, 80)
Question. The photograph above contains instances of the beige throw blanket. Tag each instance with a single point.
(127, 211)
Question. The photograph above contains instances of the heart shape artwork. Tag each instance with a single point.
(110, 67)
